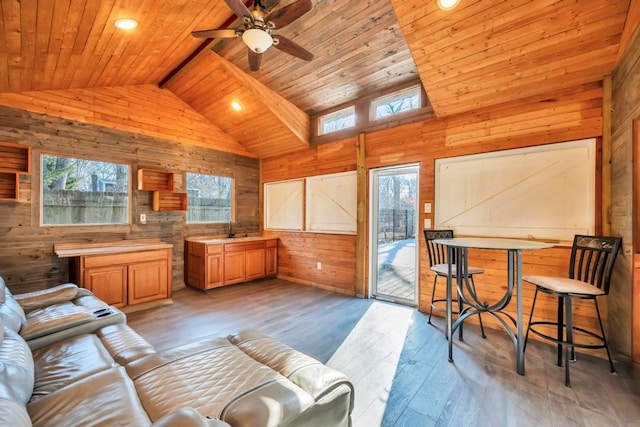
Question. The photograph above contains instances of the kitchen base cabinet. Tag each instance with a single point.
(121, 273)
(218, 262)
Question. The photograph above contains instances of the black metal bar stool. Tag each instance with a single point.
(590, 269)
(438, 264)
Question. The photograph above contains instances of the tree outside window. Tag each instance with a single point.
(210, 198)
(84, 192)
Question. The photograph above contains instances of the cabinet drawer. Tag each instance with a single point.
(123, 258)
(214, 249)
(244, 246)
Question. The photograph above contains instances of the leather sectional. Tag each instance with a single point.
(112, 376)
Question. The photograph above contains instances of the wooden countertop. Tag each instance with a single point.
(211, 240)
(66, 250)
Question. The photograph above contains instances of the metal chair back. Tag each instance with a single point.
(437, 253)
(592, 260)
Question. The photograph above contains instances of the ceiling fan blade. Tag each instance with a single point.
(292, 48)
(239, 8)
(254, 60)
(290, 13)
(222, 33)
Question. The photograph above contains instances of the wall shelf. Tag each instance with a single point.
(9, 186)
(15, 160)
(169, 201)
(155, 180)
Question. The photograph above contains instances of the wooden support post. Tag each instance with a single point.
(362, 288)
(606, 155)
(635, 279)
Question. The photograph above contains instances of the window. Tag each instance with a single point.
(81, 192)
(396, 103)
(337, 121)
(210, 198)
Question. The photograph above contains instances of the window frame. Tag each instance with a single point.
(347, 111)
(40, 184)
(398, 95)
(232, 197)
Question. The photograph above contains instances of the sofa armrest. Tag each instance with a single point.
(38, 299)
(188, 417)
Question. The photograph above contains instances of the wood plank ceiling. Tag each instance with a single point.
(480, 54)
(487, 52)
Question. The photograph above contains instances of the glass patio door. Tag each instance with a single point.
(393, 233)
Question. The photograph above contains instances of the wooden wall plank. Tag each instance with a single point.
(625, 292)
(26, 248)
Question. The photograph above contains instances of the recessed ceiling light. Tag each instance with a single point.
(126, 23)
(236, 105)
(447, 4)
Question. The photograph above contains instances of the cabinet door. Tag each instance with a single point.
(214, 271)
(271, 261)
(108, 283)
(148, 281)
(194, 270)
(234, 267)
(254, 264)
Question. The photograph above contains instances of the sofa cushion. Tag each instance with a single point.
(55, 295)
(54, 318)
(67, 361)
(224, 383)
(124, 344)
(16, 368)
(107, 398)
(306, 372)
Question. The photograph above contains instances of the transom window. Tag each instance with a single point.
(83, 192)
(396, 103)
(210, 198)
(337, 121)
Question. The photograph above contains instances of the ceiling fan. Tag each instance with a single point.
(258, 23)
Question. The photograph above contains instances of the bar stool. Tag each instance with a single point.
(590, 269)
(438, 264)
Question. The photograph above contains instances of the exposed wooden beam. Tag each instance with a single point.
(296, 120)
(207, 43)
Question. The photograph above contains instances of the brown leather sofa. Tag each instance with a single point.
(47, 316)
(115, 377)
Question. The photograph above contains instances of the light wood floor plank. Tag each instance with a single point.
(398, 362)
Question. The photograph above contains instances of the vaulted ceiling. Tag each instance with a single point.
(484, 52)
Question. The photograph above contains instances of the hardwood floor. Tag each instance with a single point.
(398, 362)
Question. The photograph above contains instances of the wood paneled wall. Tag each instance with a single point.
(562, 116)
(298, 253)
(26, 249)
(146, 110)
(624, 300)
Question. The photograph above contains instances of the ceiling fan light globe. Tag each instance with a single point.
(447, 4)
(257, 40)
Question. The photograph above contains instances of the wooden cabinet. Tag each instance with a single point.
(218, 262)
(147, 281)
(121, 274)
(271, 258)
(254, 263)
(107, 283)
(234, 266)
